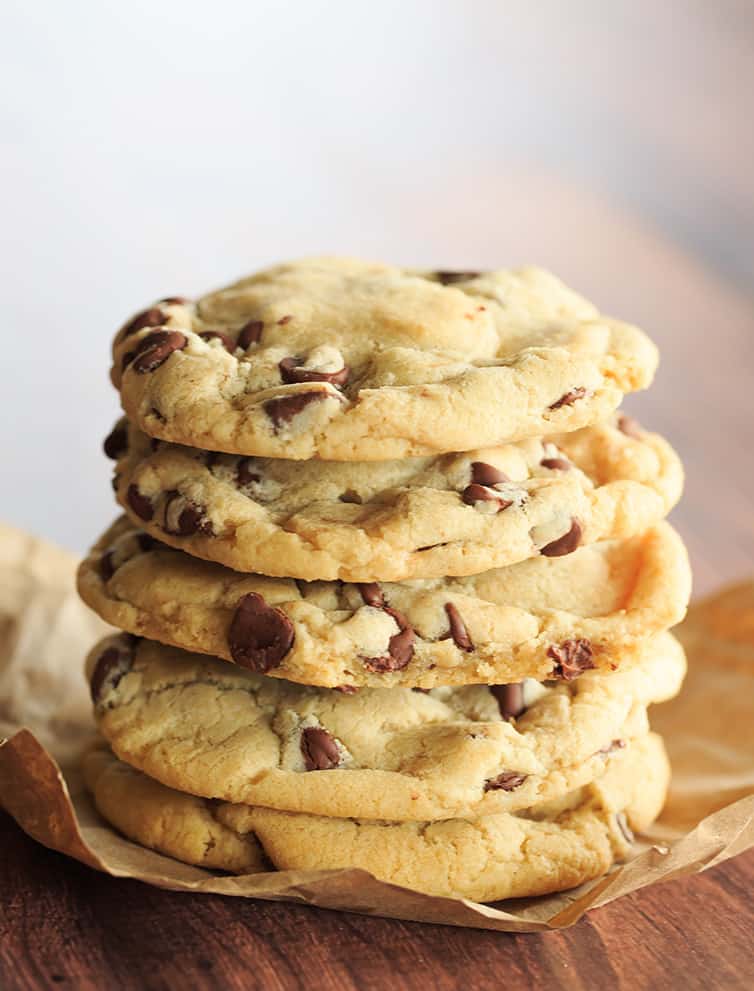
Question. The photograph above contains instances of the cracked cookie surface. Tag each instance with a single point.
(352, 361)
(211, 729)
(542, 618)
(456, 514)
(545, 849)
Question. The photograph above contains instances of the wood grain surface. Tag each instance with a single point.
(65, 926)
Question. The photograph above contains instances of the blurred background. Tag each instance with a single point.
(157, 148)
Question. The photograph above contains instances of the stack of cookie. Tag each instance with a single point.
(394, 581)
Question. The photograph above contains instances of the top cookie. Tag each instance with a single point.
(351, 361)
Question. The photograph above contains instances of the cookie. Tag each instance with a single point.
(535, 852)
(171, 822)
(212, 729)
(542, 618)
(352, 361)
(457, 514)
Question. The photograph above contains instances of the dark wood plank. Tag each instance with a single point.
(65, 926)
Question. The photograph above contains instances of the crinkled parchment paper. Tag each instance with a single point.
(46, 716)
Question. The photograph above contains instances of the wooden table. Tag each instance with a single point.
(63, 925)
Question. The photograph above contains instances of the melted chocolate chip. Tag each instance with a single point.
(250, 333)
(346, 689)
(291, 371)
(572, 658)
(350, 496)
(510, 699)
(475, 493)
(506, 781)
(116, 442)
(484, 474)
(183, 517)
(153, 317)
(629, 426)
(449, 278)
(260, 635)
(115, 661)
(142, 505)
(556, 464)
(283, 409)
(319, 749)
(565, 544)
(155, 349)
(107, 566)
(175, 300)
(245, 473)
(372, 594)
(284, 320)
(569, 398)
(458, 630)
(216, 335)
(400, 648)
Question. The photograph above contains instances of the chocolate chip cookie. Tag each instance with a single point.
(352, 361)
(547, 848)
(456, 514)
(212, 729)
(548, 617)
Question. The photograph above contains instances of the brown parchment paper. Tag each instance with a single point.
(45, 716)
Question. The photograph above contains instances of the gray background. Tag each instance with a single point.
(163, 148)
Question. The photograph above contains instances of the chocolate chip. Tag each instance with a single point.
(107, 566)
(115, 661)
(510, 699)
(291, 371)
(556, 464)
(175, 300)
(245, 474)
(183, 517)
(506, 781)
(115, 557)
(145, 540)
(319, 749)
(622, 823)
(260, 635)
(115, 481)
(284, 320)
(610, 748)
(350, 496)
(565, 544)
(372, 594)
(629, 426)
(216, 335)
(475, 493)
(569, 398)
(161, 418)
(282, 410)
(484, 474)
(400, 648)
(346, 689)
(250, 333)
(116, 442)
(572, 658)
(449, 278)
(458, 630)
(153, 317)
(141, 504)
(154, 349)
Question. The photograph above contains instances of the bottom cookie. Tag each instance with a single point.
(547, 848)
